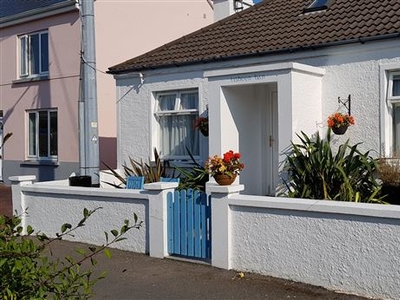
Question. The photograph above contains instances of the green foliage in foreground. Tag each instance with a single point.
(29, 271)
(315, 172)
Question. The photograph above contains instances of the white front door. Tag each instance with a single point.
(271, 142)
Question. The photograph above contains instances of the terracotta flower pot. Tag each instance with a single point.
(223, 179)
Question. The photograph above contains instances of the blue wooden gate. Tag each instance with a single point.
(189, 224)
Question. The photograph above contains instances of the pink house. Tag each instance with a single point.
(40, 44)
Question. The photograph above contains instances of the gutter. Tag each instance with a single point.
(361, 40)
(38, 13)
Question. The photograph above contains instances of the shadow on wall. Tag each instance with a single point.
(108, 151)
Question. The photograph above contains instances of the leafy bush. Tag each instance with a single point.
(389, 171)
(27, 272)
(314, 172)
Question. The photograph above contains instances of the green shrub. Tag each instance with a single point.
(315, 172)
(27, 271)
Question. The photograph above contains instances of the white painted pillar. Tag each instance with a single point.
(18, 198)
(158, 231)
(220, 220)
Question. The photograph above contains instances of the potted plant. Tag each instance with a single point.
(389, 173)
(225, 169)
(201, 124)
(339, 122)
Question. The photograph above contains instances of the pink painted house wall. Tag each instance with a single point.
(124, 29)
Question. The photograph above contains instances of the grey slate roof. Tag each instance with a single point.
(275, 26)
(10, 8)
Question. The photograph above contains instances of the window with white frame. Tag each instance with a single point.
(34, 54)
(176, 112)
(394, 101)
(42, 134)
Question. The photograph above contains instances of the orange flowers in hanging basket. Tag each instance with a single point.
(337, 120)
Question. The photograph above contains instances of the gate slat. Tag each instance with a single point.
(197, 244)
(203, 225)
(190, 235)
(170, 222)
(184, 229)
(177, 229)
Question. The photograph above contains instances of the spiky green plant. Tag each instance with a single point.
(315, 172)
(195, 177)
(151, 171)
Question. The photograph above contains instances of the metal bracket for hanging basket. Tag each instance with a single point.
(346, 103)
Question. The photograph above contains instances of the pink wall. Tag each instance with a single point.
(60, 92)
(125, 29)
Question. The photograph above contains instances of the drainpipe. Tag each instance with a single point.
(89, 140)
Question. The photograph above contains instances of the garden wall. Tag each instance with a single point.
(343, 246)
(349, 247)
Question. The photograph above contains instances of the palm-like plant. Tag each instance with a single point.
(151, 171)
(315, 172)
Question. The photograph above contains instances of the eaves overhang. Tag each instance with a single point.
(39, 13)
(171, 64)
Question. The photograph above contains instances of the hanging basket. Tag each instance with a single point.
(340, 130)
(223, 179)
(204, 131)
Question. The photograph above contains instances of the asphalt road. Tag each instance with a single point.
(138, 276)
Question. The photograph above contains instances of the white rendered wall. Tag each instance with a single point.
(137, 132)
(341, 246)
(308, 86)
(51, 206)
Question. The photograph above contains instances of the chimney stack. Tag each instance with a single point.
(225, 8)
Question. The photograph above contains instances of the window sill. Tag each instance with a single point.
(40, 163)
(31, 79)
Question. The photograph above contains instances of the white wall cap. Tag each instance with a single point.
(212, 187)
(87, 191)
(157, 186)
(321, 206)
(22, 178)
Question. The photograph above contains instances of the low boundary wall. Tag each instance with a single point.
(343, 246)
(348, 247)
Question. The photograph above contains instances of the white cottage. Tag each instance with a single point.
(262, 76)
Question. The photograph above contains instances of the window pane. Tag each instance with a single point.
(34, 53)
(396, 85)
(24, 56)
(32, 134)
(396, 129)
(167, 102)
(189, 101)
(177, 134)
(44, 52)
(43, 134)
(53, 133)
